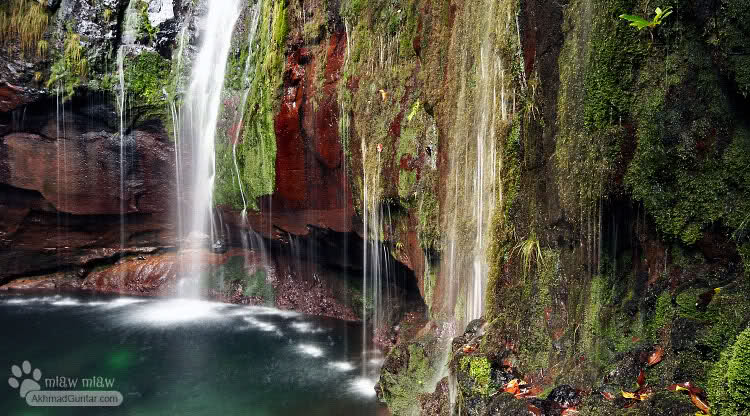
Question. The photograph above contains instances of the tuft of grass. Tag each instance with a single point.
(24, 21)
(41, 48)
(530, 251)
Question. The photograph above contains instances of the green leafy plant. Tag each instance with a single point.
(641, 23)
(70, 68)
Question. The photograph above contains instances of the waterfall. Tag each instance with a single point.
(482, 107)
(199, 115)
(483, 187)
(377, 291)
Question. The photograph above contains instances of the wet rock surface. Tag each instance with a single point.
(236, 276)
(436, 403)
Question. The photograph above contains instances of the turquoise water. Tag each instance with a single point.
(186, 357)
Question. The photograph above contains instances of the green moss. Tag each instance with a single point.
(744, 251)
(147, 75)
(144, 28)
(729, 33)
(227, 277)
(597, 67)
(729, 381)
(256, 152)
(478, 368)
(663, 314)
(401, 386)
(678, 170)
(257, 285)
(429, 231)
(431, 273)
(501, 245)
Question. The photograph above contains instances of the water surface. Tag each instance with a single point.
(187, 357)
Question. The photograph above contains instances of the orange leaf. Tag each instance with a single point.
(570, 411)
(641, 378)
(700, 404)
(469, 349)
(656, 356)
(533, 409)
(533, 391)
(512, 387)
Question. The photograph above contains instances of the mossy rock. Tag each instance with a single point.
(407, 373)
(661, 403)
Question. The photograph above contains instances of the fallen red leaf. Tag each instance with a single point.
(570, 411)
(700, 404)
(641, 378)
(643, 393)
(607, 395)
(687, 386)
(468, 349)
(694, 389)
(531, 391)
(533, 409)
(656, 356)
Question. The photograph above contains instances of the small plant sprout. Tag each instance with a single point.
(640, 23)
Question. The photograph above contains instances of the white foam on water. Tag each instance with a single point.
(363, 386)
(96, 303)
(305, 328)
(66, 302)
(176, 311)
(310, 350)
(263, 326)
(342, 366)
(120, 302)
(19, 301)
(265, 310)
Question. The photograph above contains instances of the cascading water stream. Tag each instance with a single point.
(240, 116)
(122, 98)
(200, 113)
(176, 123)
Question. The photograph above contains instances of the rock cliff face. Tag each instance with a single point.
(617, 204)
